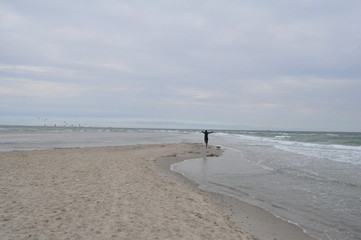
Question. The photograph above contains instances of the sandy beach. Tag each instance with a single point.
(122, 192)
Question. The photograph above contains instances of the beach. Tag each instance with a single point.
(122, 192)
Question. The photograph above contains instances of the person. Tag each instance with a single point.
(206, 136)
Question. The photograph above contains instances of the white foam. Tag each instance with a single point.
(335, 152)
(339, 153)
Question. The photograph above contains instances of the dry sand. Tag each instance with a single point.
(102, 193)
(108, 193)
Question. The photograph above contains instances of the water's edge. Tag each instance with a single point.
(245, 216)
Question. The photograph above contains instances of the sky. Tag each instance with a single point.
(214, 64)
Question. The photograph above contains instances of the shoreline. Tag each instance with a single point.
(122, 192)
(250, 219)
(103, 193)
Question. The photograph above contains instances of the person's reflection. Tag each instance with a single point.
(204, 171)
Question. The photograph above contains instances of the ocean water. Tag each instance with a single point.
(312, 179)
(35, 137)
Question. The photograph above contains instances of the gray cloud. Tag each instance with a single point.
(263, 64)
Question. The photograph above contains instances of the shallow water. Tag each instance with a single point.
(321, 195)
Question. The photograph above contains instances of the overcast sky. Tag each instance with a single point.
(238, 64)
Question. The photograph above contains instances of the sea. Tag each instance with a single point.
(310, 179)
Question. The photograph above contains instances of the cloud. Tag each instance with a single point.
(34, 69)
(24, 87)
(248, 63)
(194, 93)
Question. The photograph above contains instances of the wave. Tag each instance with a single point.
(286, 142)
(339, 153)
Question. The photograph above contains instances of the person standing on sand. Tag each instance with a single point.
(206, 136)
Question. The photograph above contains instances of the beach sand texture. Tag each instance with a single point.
(104, 193)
